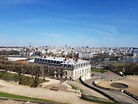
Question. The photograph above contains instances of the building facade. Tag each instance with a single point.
(73, 68)
(86, 55)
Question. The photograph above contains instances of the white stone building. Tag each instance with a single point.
(73, 68)
(86, 55)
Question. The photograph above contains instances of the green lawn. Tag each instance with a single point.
(99, 70)
(12, 96)
(119, 64)
(73, 87)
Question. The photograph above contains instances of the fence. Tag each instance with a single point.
(117, 73)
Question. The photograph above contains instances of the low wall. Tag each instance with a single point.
(117, 73)
(103, 93)
(131, 95)
(124, 91)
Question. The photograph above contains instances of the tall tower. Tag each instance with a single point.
(65, 45)
(30, 44)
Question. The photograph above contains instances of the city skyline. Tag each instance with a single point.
(94, 23)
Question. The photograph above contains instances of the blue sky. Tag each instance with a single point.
(94, 23)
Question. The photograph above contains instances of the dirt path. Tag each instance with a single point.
(58, 96)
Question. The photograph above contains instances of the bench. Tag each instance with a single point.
(54, 88)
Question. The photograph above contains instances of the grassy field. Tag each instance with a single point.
(17, 97)
(119, 64)
(99, 70)
(73, 87)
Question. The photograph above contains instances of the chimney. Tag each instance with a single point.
(76, 59)
(45, 56)
(73, 56)
(66, 58)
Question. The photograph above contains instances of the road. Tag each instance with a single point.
(107, 75)
(118, 95)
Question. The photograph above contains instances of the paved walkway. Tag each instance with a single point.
(118, 95)
(86, 89)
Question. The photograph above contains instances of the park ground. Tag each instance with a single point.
(42, 93)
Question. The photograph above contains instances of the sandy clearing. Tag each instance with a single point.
(131, 81)
(51, 81)
(58, 96)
